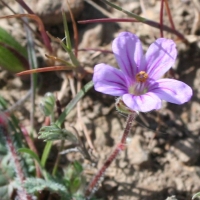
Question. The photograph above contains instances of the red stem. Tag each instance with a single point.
(169, 15)
(107, 20)
(4, 129)
(95, 49)
(43, 32)
(32, 147)
(98, 177)
(25, 6)
(148, 22)
(161, 18)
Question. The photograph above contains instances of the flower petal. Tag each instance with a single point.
(172, 90)
(128, 53)
(109, 80)
(143, 103)
(160, 57)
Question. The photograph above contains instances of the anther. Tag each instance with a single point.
(141, 76)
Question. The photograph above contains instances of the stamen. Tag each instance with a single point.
(141, 76)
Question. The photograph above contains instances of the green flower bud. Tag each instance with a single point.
(121, 106)
(47, 104)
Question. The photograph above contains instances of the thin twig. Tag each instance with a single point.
(85, 130)
(96, 49)
(148, 22)
(72, 87)
(33, 64)
(103, 11)
(5, 4)
(143, 7)
(196, 20)
(71, 81)
(19, 103)
(82, 148)
(64, 86)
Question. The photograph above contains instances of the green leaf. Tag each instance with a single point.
(53, 132)
(68, 46)
(35, 156)
(196, 195)
(31, 153)
(78, 167)
(33, 185)
(45, 153)
(73, 171)
(68, 41)
(13, 56)
(3, 148)
(7, 175)
(3, 103)
(75, 184)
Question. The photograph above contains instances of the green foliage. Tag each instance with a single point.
(7, 175)
(53, 132)
(34, 185)
(13, 56)
(71, 184)
(3, 103)
(31, 153)
(73, 177)
(26, 160)
(7, 169)
(3, 149)
(68, 46)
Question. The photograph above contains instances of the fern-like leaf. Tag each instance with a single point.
(53, 132)
(33, 185)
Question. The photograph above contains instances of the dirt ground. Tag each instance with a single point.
(162, 157)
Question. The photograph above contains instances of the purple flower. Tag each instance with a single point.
(137, 81)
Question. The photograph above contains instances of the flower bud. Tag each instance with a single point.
(121, 106)
(47, 104)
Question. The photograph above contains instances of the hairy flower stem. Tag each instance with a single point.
(4, 130)
(120, 146)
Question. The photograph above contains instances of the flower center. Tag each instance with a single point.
(141, 76)
(139, 87)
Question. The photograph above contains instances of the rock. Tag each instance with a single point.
(101, 139)
(172, 198)
(110, 185)
(136, 153)
(123, 164)
(92, 37)
(50, 11)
